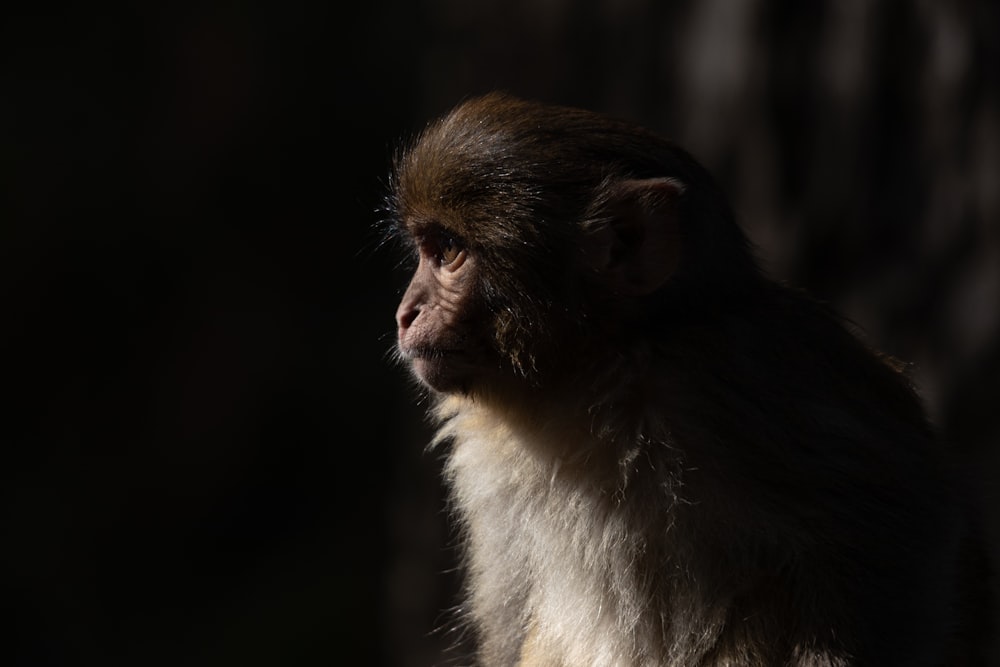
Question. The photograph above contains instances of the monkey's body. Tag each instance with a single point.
(786, 543)
(657, 456)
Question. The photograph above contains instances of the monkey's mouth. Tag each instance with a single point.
(441, 369)
(429, 353)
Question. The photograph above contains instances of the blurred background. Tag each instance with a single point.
(208, 458)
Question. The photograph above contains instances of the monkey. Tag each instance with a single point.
(657, 455)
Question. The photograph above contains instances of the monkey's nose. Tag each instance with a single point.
(405, 315)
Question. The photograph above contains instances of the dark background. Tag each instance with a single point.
(208, 458)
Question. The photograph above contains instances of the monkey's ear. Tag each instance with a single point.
(635, 247)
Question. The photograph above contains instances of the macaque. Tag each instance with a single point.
(656, 455)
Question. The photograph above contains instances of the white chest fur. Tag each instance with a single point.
(546, 547)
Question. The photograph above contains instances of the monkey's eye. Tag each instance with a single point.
(448, 251)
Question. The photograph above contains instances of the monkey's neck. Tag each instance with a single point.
(546, 426)
(590, 425)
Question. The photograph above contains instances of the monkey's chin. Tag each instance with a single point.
(446, 374)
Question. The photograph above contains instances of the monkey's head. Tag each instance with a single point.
(542, 233)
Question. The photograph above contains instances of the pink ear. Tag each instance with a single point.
(636, 246)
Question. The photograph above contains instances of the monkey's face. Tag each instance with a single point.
(533, 247)
(436, 317)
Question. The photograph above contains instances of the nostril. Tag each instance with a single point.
(405, 316)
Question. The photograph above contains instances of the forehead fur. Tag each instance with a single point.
(466, 169)
(498, 164)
